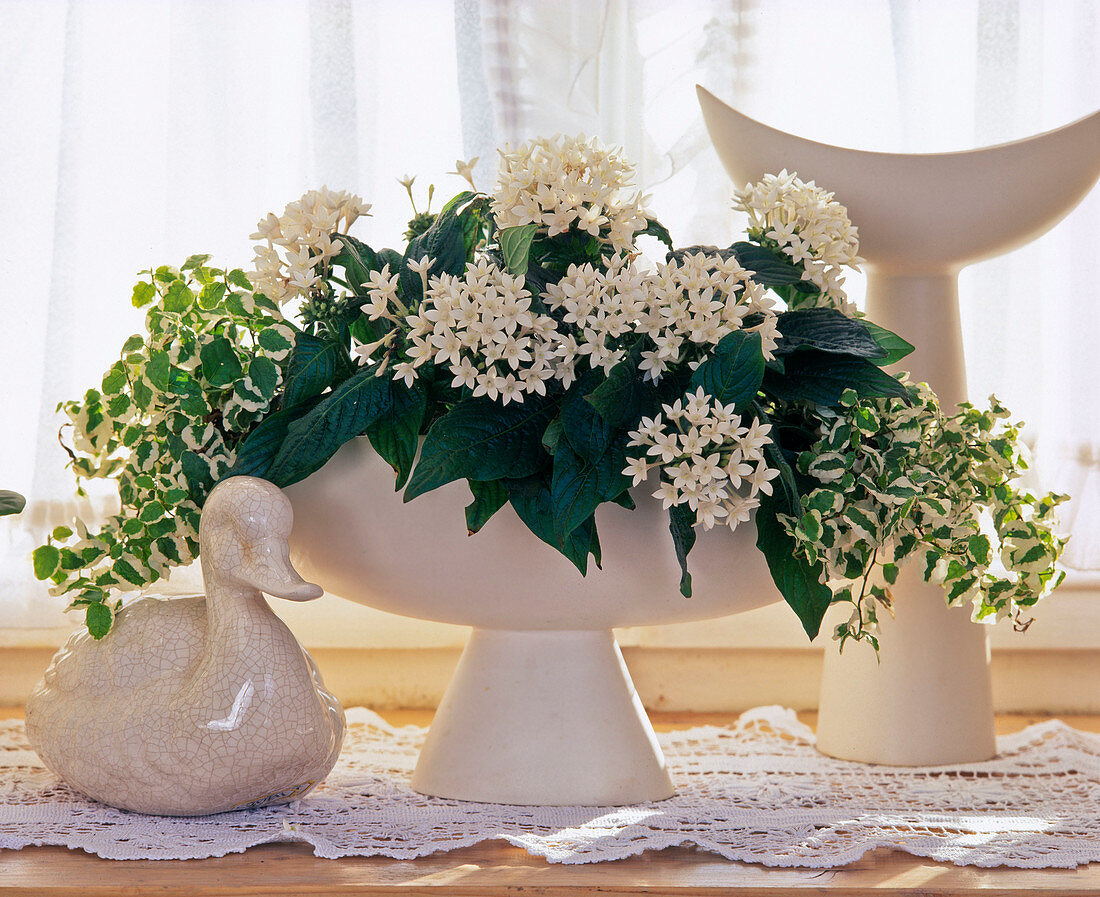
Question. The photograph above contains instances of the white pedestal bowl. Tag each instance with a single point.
(541, 709)
(921, 218)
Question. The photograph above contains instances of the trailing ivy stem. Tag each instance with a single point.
(863, 589)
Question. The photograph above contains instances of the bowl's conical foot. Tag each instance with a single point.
(542, 718)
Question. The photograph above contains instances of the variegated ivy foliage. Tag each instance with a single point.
(894, 479)
(164, 426)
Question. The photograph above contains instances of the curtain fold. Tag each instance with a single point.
(138, 132)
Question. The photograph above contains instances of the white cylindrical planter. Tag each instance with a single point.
(925, 700)
(921, 219)
(546, 718)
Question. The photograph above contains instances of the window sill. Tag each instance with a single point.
(726, 665)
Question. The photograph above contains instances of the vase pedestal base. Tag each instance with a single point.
(542, 718)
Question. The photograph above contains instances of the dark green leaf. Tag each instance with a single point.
(262, 301)
(234, 304)
(393, 258)
(357, 259)
(785, 496)
(799, 582)
(11, 502)
(771, 267)
(553, 435)
(197, 473)
(826, 330)
(475, 219)
(489, 498)
(530, 497)
(220, 364)
(259, 448)
(587, 431)
(151, 512)
(341, 415)
(481, 440)
(396, 434)
(681, 523)
(895, 347)
(515, 244)
(557, 253)
(621, 398)
(125, 570)
(579, 486)
(821, 378)
(168, 548)
(733, 372)
(444, 243)
(98, 618)
(312, 369)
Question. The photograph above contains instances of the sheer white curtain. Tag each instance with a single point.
(135, 133)
(892, 75)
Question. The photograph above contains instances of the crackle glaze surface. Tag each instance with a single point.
(197, 705)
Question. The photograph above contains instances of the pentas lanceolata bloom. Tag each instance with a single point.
(569, 183)
(806, 224)
(685, 308)
(710, 459)
(483, 325)
(480, 326)
(298, 244)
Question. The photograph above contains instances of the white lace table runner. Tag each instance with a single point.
(756, 792)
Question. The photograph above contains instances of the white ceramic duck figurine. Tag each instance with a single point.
(189, 705)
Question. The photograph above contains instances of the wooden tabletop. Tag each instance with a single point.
(488, 870)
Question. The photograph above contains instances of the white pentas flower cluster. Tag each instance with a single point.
(696, 301)
(569, 182)
(599, 308)
(709, 458)
(480, 326)
(298, 244)
(691, 302)
(809, 226)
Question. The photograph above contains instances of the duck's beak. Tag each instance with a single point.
(267, 567)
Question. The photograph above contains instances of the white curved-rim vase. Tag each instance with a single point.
(921, 219)
(541, 710)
